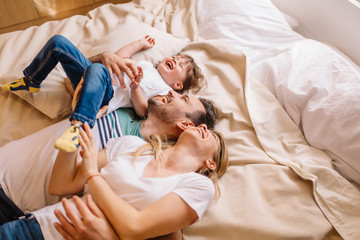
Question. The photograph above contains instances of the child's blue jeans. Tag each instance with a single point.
(97, 89)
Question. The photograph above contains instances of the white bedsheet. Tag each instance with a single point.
(277, 186)
(318, 86)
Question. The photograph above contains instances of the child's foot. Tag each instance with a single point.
(22, 84)
(69, 141)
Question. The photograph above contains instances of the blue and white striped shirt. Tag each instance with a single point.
(120, 122)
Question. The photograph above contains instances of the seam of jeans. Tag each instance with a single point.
(47, 58)
(30, 77)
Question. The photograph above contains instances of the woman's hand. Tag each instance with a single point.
(89, 153)
(90, 225)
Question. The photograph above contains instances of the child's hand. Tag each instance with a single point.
(135, 84)
(148, 42)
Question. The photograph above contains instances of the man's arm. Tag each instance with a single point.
(119, 61)
(96, 59)
(116, 65)
(136, 46)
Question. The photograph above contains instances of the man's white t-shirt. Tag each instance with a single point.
(152, 84)
(126, 179)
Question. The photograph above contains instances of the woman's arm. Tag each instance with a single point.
(91, 223)
(134, 47)
(66, 177)
(168, 214)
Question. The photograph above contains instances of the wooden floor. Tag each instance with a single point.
(21, 14)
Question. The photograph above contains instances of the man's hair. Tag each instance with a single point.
(194, 76)
(199, 117)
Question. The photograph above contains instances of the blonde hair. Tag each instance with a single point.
(156, 144)
(221, 158)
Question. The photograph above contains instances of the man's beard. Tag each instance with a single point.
(163, 112)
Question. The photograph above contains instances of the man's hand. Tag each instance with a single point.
(90, 225)
(116, 64)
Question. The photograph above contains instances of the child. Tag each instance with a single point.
(178, 72)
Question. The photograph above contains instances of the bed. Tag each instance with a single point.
(288, 106)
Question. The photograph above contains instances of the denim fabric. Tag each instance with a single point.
(8, 210)
(26, 228)
(97, 89)
(96, 92)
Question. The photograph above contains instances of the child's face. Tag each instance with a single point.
(173, 71)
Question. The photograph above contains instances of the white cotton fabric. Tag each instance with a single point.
(126, 179)
(318, 87)
(151, 84)
(275, 178)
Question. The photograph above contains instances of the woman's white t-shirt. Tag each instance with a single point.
(152, 84)
(126, 179)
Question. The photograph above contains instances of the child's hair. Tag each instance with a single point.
(195, 79)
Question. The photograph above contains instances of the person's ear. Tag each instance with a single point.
(184, 124)
(210, 164)
(178, 86)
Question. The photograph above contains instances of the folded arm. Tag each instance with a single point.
(168, 214)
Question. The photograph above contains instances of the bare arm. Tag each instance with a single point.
(137, 96)
(96, 58)
(91, 224)
(168, 214)
(119, 61)
(66, 177)
(136, 46)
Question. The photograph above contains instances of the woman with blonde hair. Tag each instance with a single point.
(145, 190)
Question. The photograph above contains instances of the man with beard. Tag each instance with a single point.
(168, 115)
